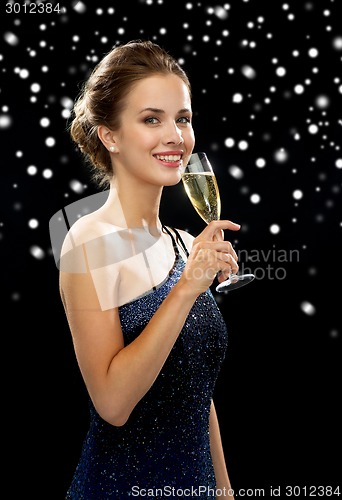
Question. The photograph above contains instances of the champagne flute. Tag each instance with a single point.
(202, 190)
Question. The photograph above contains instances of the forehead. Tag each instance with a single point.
(158, 91)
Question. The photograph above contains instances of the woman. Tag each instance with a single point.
(148, 336)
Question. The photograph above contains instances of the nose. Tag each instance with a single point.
(173, 134)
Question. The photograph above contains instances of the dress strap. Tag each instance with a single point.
(178, 239)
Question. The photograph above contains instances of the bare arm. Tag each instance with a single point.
(221, 474)
(117, 377)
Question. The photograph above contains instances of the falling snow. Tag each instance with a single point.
(267, 109)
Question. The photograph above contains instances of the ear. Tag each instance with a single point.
(106, 136)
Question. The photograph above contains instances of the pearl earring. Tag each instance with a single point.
(112, 149)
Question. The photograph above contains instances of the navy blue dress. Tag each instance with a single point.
(163, 449)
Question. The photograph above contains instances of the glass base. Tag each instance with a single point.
(235, 281)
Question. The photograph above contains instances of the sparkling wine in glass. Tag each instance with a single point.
(202, 190)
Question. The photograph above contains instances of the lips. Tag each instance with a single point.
(170, 161)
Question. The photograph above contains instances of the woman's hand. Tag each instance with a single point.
(210, 255)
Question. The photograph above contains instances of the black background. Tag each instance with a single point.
(279, 390)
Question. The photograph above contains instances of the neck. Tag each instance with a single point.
(139, 203)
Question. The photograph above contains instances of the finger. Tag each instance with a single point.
(219, 235)
(228, 258)
(219, 246)
(233, 264)
(226, 270)
(231, 251)
(223, 275)
(219, 225)
(234, 254)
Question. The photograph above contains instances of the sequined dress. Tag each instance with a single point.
(163, 449)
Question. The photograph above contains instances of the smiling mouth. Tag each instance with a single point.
(169, 158)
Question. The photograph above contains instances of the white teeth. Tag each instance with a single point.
(168, 157)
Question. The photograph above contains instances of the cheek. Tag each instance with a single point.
(190, 138)
(146, 139)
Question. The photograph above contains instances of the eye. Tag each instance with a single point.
(184, 119)
(152, 120)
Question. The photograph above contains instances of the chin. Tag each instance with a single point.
(173, 181)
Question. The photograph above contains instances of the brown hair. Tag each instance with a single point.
(102, 97)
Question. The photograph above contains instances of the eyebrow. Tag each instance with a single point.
(161, 111)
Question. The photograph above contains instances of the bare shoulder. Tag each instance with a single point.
(88, 227)
(86, 243)
(88, 274)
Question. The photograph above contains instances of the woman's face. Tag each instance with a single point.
(156, 136)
